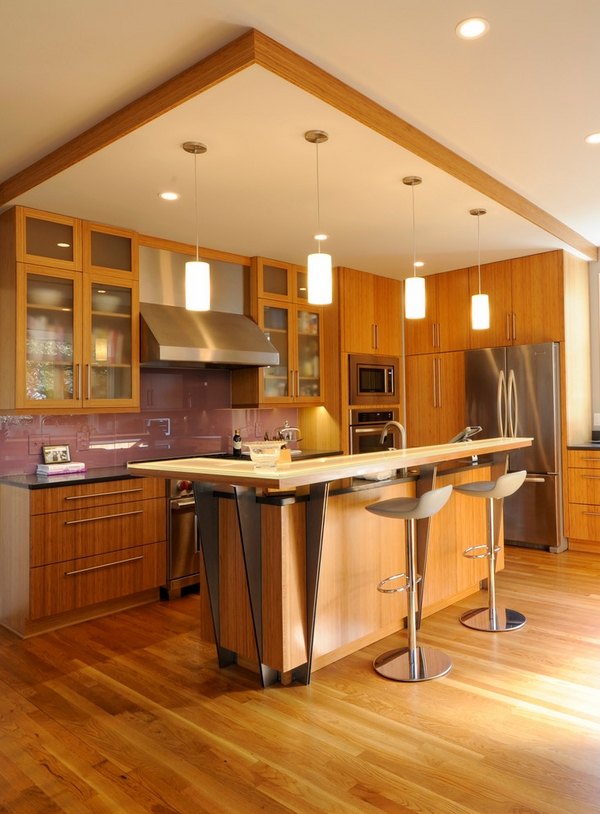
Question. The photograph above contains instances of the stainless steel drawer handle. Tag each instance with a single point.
(104, 494)
(591, 514)
(101, 517)
(105, 565)
(591, 477)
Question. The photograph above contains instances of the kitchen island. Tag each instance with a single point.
(292, 560)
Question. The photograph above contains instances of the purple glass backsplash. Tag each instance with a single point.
(182, 413)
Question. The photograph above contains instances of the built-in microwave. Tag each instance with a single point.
(373, 379)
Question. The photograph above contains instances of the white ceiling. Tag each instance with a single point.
(517, 104)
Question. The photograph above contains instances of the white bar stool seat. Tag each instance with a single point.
(493, 618)
(414, 662)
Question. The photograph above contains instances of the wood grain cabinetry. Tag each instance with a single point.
(446, 324)
(295, 328)
(370, 309)
(77, 551)
(435, 397)
(582, 522)
(526, 300)
(70, 335)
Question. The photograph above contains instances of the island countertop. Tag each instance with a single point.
(320, 470)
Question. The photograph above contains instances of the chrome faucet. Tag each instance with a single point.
(402, 431)
(397, 426)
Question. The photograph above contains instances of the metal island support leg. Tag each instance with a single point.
(248, 514)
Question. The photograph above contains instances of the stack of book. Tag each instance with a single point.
(61, 468)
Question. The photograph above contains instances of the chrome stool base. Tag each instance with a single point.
(420, 665)
(493, 620)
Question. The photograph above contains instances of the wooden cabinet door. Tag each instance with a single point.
(435, 397)
(496, 283)
(387, 317)
(421, 399)
(537, 298)
(451, 396)
(357, 304)
(453, 310)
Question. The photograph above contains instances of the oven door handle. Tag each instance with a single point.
(367, 430)
(183, 503)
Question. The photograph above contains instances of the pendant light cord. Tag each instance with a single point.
(318, 196)
(478, 253)
(414, 241)
(196, 202)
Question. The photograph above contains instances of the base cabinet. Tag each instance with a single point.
(582, 521)
(73, 552)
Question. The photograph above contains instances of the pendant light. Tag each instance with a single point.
(480, 303)
(414, 287)
(320, 288)
(197, 272)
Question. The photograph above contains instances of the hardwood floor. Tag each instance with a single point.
(130, 713)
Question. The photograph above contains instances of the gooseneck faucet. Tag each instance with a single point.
(399, 427)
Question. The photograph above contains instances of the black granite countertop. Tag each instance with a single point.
(108, 473)
(591, 445)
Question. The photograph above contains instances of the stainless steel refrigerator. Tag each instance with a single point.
(516, 391)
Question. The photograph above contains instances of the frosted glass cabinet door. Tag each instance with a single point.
(110, 357)
(309, 354)
(50, 343)
(276, 381)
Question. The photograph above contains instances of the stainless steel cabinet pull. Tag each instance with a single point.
(77, 382)
(104, 494)
(88, 369)
(433, 362)
(508, 326)
(591, 477)
(101, 517)
(439, 381)
(376, 326)
(591, 514)
(595, 460)
(105, 565)
(514, 325)
(182, 504)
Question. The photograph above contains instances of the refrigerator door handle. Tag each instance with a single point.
(501, 404)
(513, 404)
(536, 479)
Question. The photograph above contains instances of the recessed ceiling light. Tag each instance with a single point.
(168, 196)
(593, 138)
(472, 27)
(418, 264)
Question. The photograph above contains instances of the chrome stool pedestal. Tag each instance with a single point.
(413, 662)
(493, 618)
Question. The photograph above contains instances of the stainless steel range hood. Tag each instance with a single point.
(171, 336)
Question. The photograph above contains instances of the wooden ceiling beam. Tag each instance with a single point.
(255, 48)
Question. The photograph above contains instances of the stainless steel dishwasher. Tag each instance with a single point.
(183, 556)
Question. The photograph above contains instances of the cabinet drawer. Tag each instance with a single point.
(583, 458)
(584, 522)
(82, 582)
(584, 486)
(106, 493)
(85, 532)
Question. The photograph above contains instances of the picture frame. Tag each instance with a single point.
(56, 454)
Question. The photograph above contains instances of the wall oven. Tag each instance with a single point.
(373, 379)
(366, 427)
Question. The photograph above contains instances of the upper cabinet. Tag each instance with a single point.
(110, 251)
(370, 309)
(70, 336)
(446, 323)
(280, 307)
(526, 300)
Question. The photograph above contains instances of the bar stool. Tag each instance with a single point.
(414, 662)
(492, 618)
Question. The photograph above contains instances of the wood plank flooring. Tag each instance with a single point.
(131, 714)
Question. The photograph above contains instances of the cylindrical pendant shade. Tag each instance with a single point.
(480, 312)
(197, 286)
(319, 279)
(414, 298)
